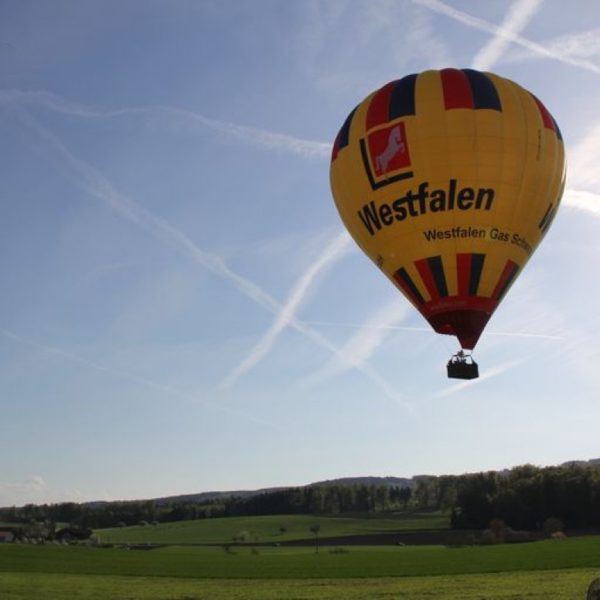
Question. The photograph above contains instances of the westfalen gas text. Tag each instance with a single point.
(493, 233)
(452, 197)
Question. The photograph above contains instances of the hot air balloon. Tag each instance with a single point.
(448, 180)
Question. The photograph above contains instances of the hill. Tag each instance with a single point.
(390, 481)
(204, 497)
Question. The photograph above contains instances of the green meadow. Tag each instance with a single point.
(302, 562)
(538, 585)
(272, 528)
(181, 570)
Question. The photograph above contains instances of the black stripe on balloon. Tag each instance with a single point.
(344, 134)
(437, 270)
(402, 98)
(484, 91)
(477, 261)
(557, 128)
(512, 273)
(405, 281)
(547, 219)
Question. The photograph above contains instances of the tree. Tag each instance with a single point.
(382, 495)
(405, 496)
(498, 529)
(315, 529)
(552, 525)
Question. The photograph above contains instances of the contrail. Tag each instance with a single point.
(336, 249)
(360, 347)
(88, 178)
(74, 358)
(583, 44)
(430, 330)
(519, 14)
(251, 135)
(477, 23)
(488, 374)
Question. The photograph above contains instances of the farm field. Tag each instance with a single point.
(559, 570)
(539, 585)
(267, 529)
(302, 562)
(197, 561)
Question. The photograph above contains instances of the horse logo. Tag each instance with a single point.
(385, 154)
(395, 145)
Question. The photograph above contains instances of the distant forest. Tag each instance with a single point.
(523, 497)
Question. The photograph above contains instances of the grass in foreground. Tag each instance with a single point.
(272, 528)
(553, 585)
(302, 563)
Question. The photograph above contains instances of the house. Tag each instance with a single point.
(6, 536)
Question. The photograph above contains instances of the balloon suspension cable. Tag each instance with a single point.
(462, 366)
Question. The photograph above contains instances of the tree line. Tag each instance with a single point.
(523, 498)
(329, 499)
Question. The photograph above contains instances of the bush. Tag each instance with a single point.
(241, 536)
(487, 538)
(552, 525)
(498, 528)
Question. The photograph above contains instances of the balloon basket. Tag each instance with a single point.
(462, 366)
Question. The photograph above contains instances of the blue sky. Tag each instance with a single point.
(181, 309)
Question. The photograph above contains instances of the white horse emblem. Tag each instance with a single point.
(395, 144)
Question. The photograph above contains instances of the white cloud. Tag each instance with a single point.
(387, 37)
(36, 490)
(582, 200)
(584, 158)
(29, 491)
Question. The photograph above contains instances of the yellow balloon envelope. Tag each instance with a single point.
(448, 180)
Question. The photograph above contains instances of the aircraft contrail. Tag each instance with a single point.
(519, 14)
(360, 347)
(88, 178)
(522, 334)
(336, 249)
(250, 135)
(488, 374)
(477, 23)
(74, 358)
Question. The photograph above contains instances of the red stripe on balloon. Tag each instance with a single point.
(379, 107)
(546, 116)
(457, 89)
(427, 277)
(463, 266)
(506, 278)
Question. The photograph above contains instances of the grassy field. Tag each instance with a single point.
(559, 570)
(553, 585)
(269, 528)
(302, 563)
